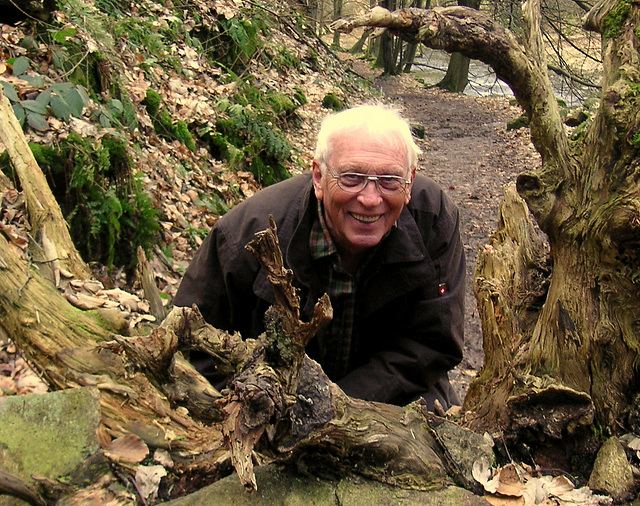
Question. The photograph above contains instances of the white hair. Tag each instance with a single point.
(376, 119)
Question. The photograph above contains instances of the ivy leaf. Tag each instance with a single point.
(76, 101)
(37, 121)
(60, 59)
(34, 81)
(105, 119)
(62, 35)
(60, 108)
(44, 97)
(20, 114)
(20, 65)
(116, 107)
(61, 88)
(10, 91)
(34, 106)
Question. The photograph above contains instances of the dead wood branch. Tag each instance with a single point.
(283, 405)
(48, 225)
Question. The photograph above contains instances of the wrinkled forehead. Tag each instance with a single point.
(382, 135)
(363, 148)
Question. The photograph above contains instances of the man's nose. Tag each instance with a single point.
(369, 195)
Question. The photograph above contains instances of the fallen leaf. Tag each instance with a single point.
(163, 457)
(15, 235)
(128, 449)
(148, 479)
(483, 473)
(510, 480)
(83, 301)
(560, 485)
(504, 501)
(634, 444)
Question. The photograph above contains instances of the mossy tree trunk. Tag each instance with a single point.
(561, 331)
(457, 76)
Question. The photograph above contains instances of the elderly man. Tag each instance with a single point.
(381, 240)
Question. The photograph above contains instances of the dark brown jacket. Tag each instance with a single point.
(409, 332)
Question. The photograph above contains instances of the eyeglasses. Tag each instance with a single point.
(354, 182)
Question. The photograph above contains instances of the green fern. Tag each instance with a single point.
(108, 210)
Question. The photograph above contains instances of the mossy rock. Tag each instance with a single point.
(282, 485)
(515, 124)
(333, 102)
(48, 435)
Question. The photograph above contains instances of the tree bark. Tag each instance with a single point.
(337, 14)
(457, 75)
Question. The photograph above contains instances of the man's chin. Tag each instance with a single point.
(362, 243)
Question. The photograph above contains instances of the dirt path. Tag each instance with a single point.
(468, 151)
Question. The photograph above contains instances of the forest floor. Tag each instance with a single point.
(468, 150)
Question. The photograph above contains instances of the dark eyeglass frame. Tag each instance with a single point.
(363, 181)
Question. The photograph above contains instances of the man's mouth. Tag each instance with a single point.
(366, 219)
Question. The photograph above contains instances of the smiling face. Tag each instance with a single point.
(359, 221)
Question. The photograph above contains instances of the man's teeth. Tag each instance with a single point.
(366, 219)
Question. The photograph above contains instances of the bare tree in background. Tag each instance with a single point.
(394, 55)
(457, 76)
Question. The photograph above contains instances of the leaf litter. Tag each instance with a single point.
(517, 485)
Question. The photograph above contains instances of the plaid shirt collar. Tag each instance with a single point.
(321, 243)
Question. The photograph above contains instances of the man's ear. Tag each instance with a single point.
(407, 195)
(316, 173)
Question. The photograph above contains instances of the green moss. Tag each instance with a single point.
(580, 132)
(182, 133)
(418, 130)
(107, 208)
(299, 96)
(278, 346)
(333, 102)
(281, 103)
(44, 155)
(163, 122)
(63, 423)
(152, 102)
(283, 59)
(521, 122)
(612, 23)
(247, 132)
